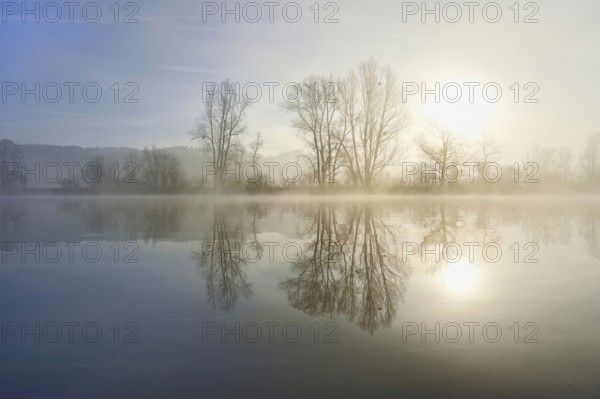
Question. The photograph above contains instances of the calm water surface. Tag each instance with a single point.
(135, 297)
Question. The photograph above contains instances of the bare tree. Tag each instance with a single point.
(488, 147)
(255, 147)
(486, 150)
(590, 158)
(317, 119)
(161, 170)
(554, 164)
(564, 163)
(220, 126)
(374, 120)
(99, 174)
(442, 152)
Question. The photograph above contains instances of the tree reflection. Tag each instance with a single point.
(442, 225)
(589, 227)
(220, 260)
(548, 224)
(149, 220)
(350, 267)
(11, 221)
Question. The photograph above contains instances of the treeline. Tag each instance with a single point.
(354, 131)
(448, 170)
(152, 170)
(351, 126)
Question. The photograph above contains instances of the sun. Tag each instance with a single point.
(463, 118)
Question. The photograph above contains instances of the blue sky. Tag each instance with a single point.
(171, 51)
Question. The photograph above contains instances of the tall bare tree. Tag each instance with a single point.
(317, 119)
(220, 126)
(374, 120)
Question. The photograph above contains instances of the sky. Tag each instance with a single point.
(152, 70)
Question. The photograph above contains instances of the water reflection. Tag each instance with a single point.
(11, 220)
(442, 227)
(589, 228)
(206, 262)
(557, 224)
(549, 225)
(149, 221)
(351, 266)
(351, 263)
(220, 261)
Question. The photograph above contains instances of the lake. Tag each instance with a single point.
(140, 297)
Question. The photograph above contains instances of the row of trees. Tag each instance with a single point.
(153, 170)
(351, 126)
(353, 129)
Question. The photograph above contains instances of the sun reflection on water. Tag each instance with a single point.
(460, 277)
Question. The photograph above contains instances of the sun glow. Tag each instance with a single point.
(462, 118)
(460, 276)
